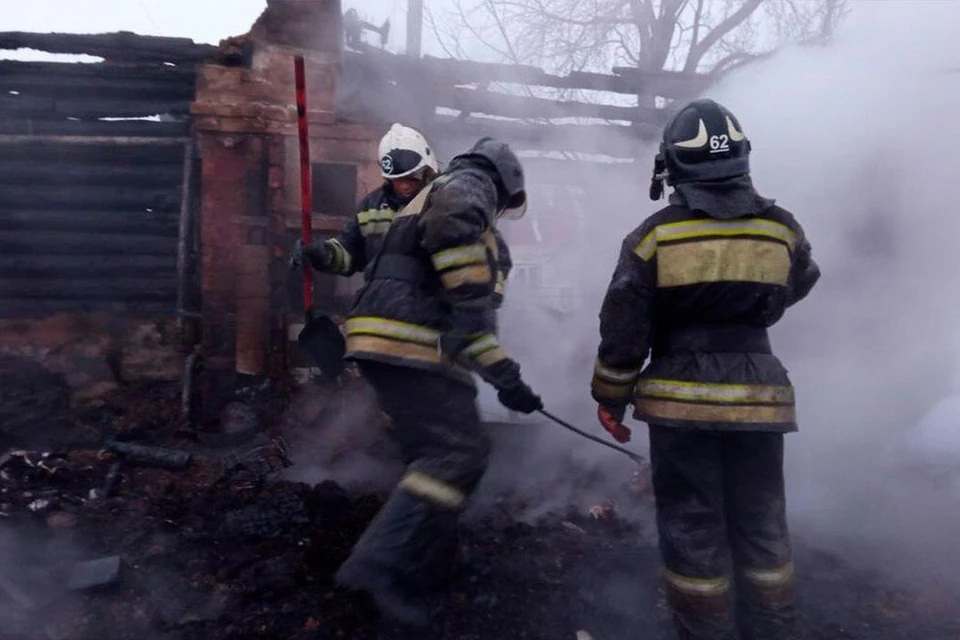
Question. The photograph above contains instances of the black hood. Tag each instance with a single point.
(480, 163)
(722, 199)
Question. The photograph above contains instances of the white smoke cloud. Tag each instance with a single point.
(859, 140)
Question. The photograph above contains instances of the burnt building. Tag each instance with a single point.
(160, 184)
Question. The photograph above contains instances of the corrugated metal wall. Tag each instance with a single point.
(89, 203)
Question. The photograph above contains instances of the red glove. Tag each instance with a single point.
(611, 419)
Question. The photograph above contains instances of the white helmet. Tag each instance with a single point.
(403, 152)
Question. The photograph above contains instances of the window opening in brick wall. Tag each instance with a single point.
(334, 188)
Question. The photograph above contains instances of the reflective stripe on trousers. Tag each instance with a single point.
(431, 489)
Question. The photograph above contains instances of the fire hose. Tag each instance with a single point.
(566, 425)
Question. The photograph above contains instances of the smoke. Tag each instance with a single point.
(853, 138)
(858, 139)
(343, 436)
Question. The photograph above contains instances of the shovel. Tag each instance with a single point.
(320, 337)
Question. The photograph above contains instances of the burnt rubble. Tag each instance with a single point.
(96, 544)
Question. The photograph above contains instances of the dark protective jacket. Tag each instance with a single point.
(435, 274)
(362, 236)
(504, 266)
(696, 287)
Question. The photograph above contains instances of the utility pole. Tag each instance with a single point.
(414, 27)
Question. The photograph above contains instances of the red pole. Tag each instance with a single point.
(306, 208)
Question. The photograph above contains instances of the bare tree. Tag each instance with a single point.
(709, 37)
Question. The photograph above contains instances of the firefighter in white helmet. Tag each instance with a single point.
(407, 163)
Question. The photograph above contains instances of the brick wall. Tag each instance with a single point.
(246, 132)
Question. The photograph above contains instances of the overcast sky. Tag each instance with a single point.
(201, 20)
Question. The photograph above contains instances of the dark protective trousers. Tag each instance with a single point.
(721, 517)
(411, 544)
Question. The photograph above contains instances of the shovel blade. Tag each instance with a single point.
(323, 342)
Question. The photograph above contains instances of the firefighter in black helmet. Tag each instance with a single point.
(696, 287)
(419, 328)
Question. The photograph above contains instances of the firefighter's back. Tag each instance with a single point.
(720, 283)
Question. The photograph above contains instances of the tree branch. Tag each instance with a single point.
(503, 33)
(732, 21)
(435, 28)
(546, 15)
(632, 58)
(736, 60)
(697, 17)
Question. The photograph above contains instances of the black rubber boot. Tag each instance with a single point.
(392, 600)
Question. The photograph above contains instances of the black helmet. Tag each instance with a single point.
(704, 141)
(507, 165)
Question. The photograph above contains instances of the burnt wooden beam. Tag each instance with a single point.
(119, 46)
(144, 129)
(80, 266)
(44, 172)
(96, 79)
(446, 70)
(500, 104)
(150, 288)
(189, 294)
(74, 243)
(554, 171)
(131, 222)
(49, 77)
(91, 141)
(40, 308)
(668, 84)
(608, 139)
(91, 106)
(91, 270)
(74, 197)
(94, 149)
(17, 70)
(103, 88)
(449, 72)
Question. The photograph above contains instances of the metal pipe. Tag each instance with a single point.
(566, 425)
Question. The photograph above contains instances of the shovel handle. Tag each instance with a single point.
(306, 203)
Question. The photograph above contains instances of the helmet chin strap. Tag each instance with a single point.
(659, 175)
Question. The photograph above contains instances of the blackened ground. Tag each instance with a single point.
(206, 560)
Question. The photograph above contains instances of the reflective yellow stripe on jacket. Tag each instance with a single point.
(613, 383)
(342, 260)
(701, 251)
(393, 338)
(714, 402)
(375, 221)
(485, 351)
(467, 264)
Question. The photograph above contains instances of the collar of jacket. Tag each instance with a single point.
(722, 199)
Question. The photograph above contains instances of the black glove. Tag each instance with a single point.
(320, 255)
(512, 391)
(520, 398)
